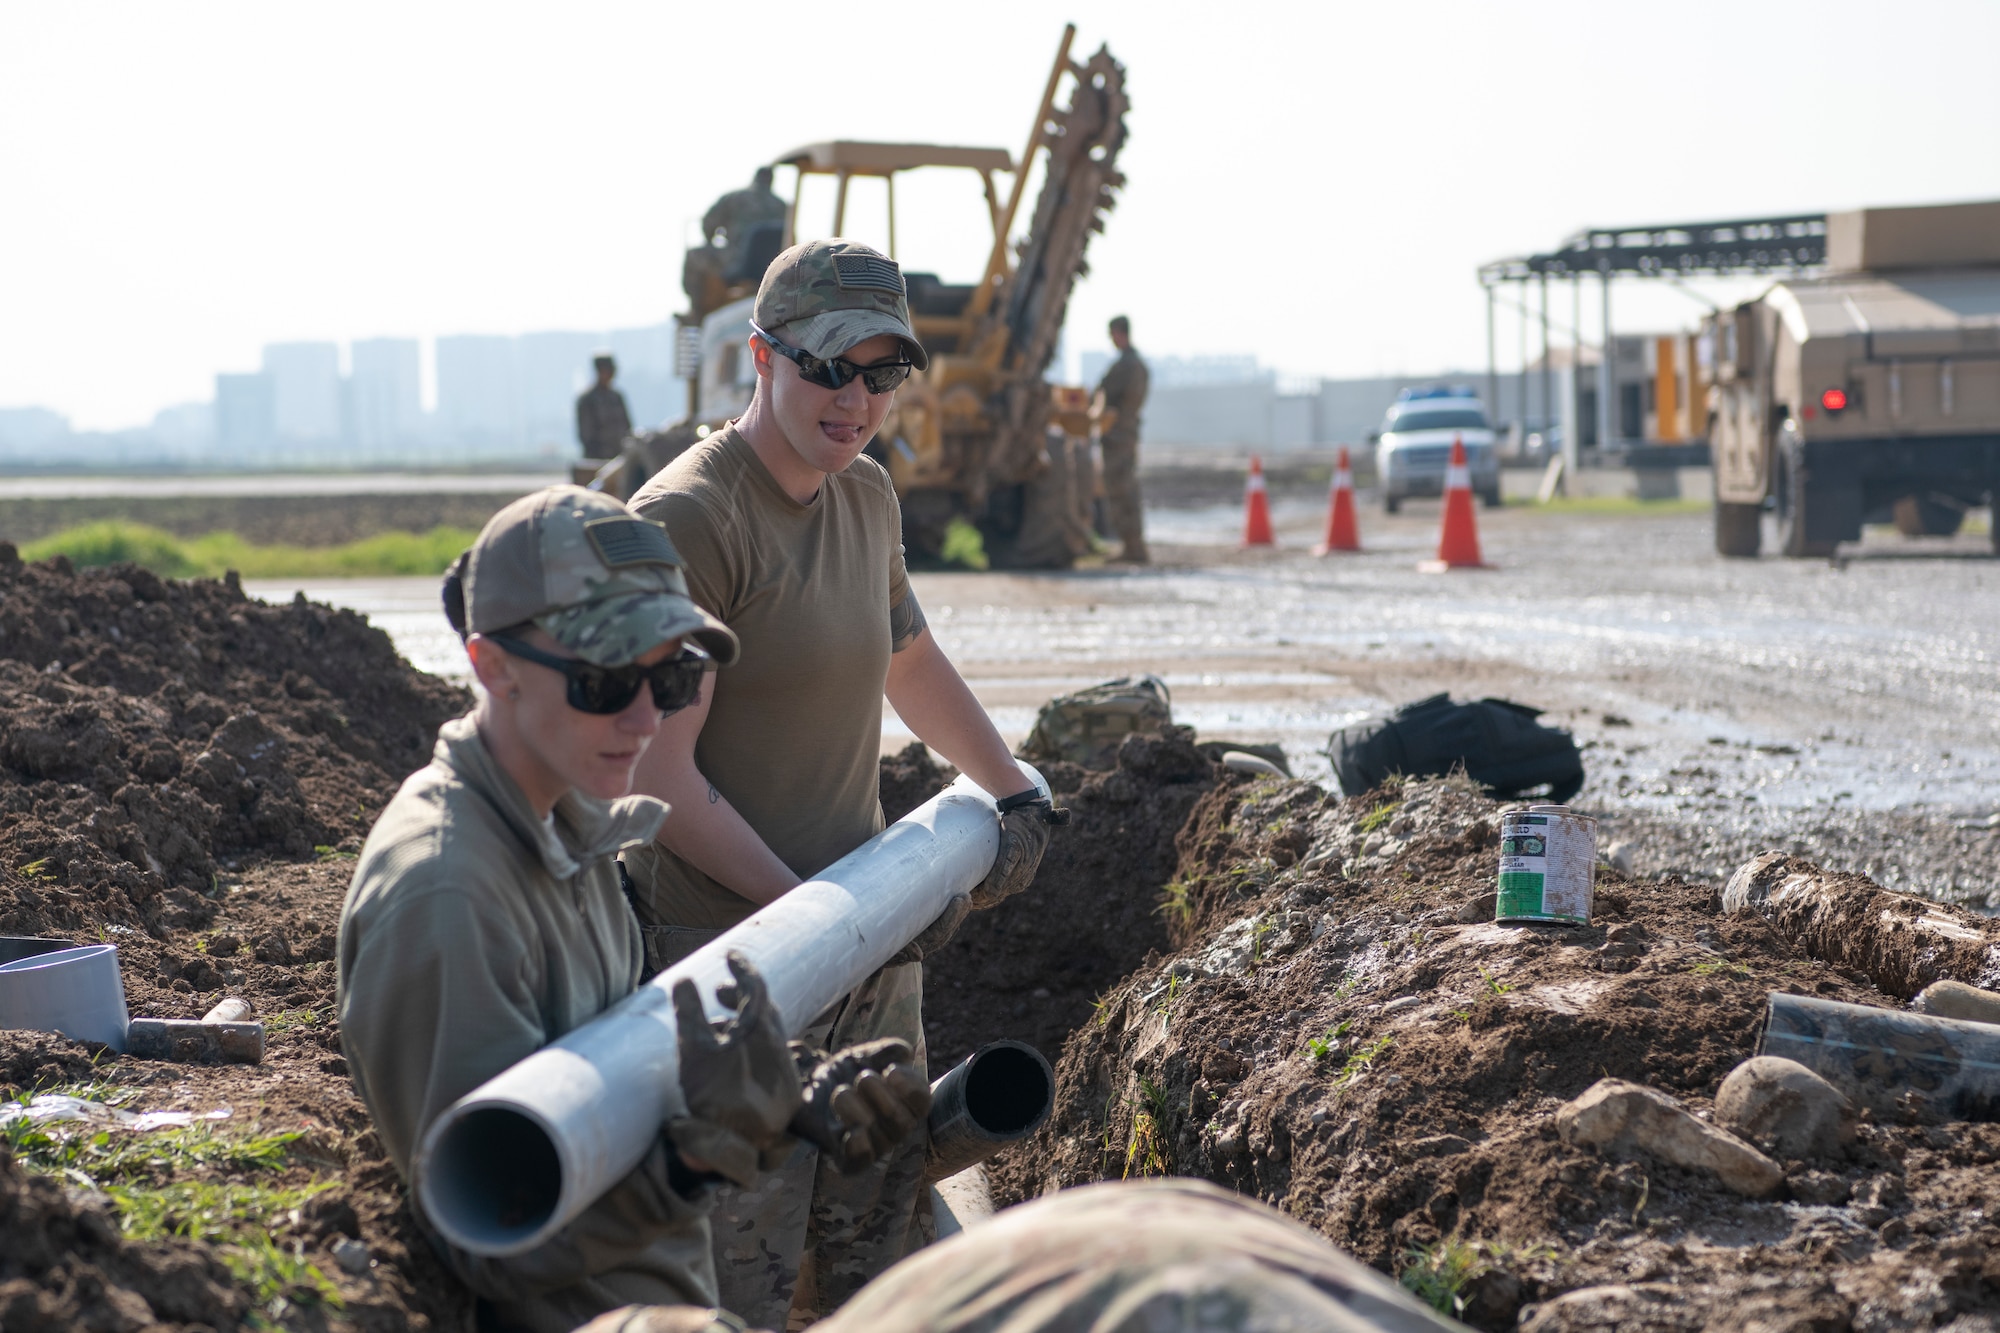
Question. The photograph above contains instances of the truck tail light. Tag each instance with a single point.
(1834, 400)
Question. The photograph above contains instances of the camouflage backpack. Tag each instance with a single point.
(1088, 727)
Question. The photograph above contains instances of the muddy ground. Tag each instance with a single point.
(1341, 1030)
(187, 774)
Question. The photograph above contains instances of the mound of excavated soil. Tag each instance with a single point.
(1344, 1033)
(1032, 967)
(186, 773)
(155, 732)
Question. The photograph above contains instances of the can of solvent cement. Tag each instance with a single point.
(1548, 865)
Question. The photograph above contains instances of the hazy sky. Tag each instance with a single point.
(1314, 184)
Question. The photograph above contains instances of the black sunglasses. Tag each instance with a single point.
(882, 377)
(602, 690)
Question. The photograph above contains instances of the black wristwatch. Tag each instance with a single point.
(1032, 799)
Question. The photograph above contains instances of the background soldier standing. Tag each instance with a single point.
(1122, 394)
(602, 422)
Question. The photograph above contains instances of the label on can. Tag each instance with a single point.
(1548, 866)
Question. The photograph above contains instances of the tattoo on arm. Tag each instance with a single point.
(713, 794)
(906, 622)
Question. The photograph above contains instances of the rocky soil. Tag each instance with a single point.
(1300, 997)
(1343, 1031)
(186, 773)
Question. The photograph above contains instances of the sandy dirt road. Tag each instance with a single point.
(1849, 709)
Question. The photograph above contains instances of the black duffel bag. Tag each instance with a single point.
(1503, 748)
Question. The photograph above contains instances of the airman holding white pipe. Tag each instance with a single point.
(486, 916)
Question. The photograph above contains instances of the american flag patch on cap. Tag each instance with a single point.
(869, 271)
(630, 541)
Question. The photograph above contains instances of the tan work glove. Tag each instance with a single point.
(1025, 821)
(937, 934)
(861, 1102)
(738, 1079)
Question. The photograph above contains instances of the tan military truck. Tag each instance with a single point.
(1869, 394)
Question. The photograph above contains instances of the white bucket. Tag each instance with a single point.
(76, 992)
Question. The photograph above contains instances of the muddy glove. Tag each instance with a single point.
(861, 1102)
(738, 1078)
(1025, 821)
(937, 934)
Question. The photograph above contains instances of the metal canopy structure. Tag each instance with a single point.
(882, 159)
(1739, 247)
(1749, 245)
(845, 159)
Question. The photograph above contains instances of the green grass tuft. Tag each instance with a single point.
(115, 541)
(1359, 1062)
(963, 545)
(1438, 1274)
(1379, 816)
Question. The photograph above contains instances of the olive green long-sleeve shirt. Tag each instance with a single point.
(473, 934)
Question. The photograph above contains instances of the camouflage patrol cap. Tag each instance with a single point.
(826, 297)
(603, 582)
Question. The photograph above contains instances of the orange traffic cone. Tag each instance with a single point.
(1458, 542)
(1256, 508)
(1342, 534)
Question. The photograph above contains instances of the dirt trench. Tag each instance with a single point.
(1243, 980)
(187, 773)
(1341, 1030)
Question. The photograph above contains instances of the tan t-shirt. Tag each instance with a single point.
(794, 731)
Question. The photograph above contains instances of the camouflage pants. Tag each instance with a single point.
(1121, 491)
(851, 1228)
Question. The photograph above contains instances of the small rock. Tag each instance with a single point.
(352, 1256)
(1955, 999)
(1478, 910)
(1613, 1113)
(1401, 1003)
(1319, 1115)
(1440, 1145)
(1040, 992)
(1818, 1187)
(1784, 1108)
(1619, 857)
(1881, 1191)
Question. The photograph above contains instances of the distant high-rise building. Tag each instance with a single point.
(245, 417)
(184, 432)
(385, 408)
(477, 400)
(32, 435)
(305, 391)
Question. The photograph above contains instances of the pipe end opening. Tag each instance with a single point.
(494, 1181)
(1009, 1089)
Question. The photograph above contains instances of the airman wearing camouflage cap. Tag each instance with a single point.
(831, 296)
(487, 917)
(792, 537)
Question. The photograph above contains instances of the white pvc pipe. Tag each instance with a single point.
(513, 1161)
